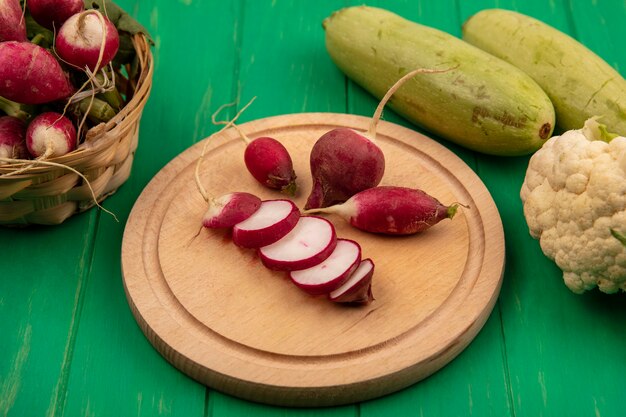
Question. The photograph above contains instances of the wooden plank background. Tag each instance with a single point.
(69, 345)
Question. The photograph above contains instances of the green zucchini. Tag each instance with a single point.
(579, 82)
(482, 102)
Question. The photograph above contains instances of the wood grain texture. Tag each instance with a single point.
(219, 316)
(70, 346)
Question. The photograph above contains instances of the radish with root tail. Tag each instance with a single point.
(50, 134)
(267, 160)
(227, 210)
(358, 288)
(13, 138)
(12, 23)
(44, 82)
(391, 210)
(344, 161)
(330, 274)
(51, 14)
(87, 40)
(310, 242)
(270, 223)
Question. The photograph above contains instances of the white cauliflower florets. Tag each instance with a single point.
(574, 196)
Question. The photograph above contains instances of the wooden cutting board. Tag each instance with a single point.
(218, 315)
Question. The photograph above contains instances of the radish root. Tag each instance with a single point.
(199, 185)
(371, 133)
(226, 122)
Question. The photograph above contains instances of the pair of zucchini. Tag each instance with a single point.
(509, 81)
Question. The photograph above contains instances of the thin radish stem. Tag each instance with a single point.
(371, 133)
(201, 188)
(225, 122)
(37, 39)
(241, 133)
(327, 210)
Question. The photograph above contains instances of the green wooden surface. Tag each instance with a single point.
(69, 345)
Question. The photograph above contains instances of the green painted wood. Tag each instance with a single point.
(70, 346)
(283, 62)
(43, 278)
(556, 341)
(480, 387)
(116, 371)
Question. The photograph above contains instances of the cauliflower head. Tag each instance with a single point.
(574, 196)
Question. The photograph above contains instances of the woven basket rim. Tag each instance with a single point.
(98, 137)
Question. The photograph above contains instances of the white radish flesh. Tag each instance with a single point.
(229, 209)
(358, 288)
(50, 134)
(308, 244)
(13, 138)
(332, 272)
(87, 39)
(272, 221)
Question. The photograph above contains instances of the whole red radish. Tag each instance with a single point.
(310, 242)
(13, 138)
(87, 40)
(229, 209)
(392, 210)
(51, 14)
(50, 134)
(266, 158)
(43, 82)
(12, 23)
(358, 288)
(273, 220)
(344, 162)
(270, 164)
(330, 274)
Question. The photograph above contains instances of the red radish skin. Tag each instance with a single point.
(13, 138)
(392, 210)
(343, 162)
(229, 209)
(12, 24)
(270, 164)
(310, 242)
(44, 81)
(80, 39)
(267, 160)
(50, 134)
(357, 289)
(332, 272)
(273, 220)
(51, 14)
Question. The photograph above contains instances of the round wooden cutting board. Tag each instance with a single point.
(217, 314)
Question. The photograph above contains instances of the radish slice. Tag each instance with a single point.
(358, 288)
(229, 209)
(273, 220)
(308, 244)
(330, 274)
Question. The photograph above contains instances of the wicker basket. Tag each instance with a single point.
(43, 194)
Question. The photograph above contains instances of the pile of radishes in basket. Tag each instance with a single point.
(346, 168)
(58, 67)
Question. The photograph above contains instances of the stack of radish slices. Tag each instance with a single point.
(308, 249)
